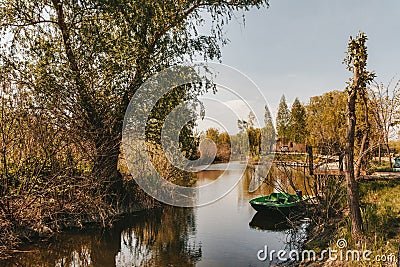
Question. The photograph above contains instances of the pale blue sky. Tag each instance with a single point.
(296, 48)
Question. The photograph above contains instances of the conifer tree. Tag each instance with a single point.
(298, 123)
(283, 120)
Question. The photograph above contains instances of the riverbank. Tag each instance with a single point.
(380, 207)
(37, 223)
(173, 236)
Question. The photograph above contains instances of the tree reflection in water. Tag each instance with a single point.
(163, 237)
(171, 236)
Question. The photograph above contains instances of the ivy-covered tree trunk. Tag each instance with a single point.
(362, 155)
(356, 62)
(352, 185)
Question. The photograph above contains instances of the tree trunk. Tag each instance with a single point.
(106, 164)
(380, 154)
(390, 155)
(106, 140)
(352, 185)
(362, 157)
(310, 159)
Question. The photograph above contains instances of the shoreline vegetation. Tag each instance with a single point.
(79, 204)
(41, 222)
(380, 198)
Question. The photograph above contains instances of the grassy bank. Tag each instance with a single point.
(383, 166)
(380, 207)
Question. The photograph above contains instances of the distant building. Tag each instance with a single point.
(289, 147)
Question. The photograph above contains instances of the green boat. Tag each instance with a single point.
(283, 202)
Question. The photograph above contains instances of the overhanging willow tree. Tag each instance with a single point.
(356, 62)
(84, 60)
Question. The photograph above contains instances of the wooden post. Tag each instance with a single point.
(341, 156)
(310, 159)
(379, 154)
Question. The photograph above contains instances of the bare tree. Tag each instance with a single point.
(385, 103)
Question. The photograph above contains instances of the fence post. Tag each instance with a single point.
(310, 159)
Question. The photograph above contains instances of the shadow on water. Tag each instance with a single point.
(270, 221)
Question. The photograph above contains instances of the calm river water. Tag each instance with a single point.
(225, 233)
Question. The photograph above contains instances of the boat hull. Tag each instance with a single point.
(267, 208)
(282, 202)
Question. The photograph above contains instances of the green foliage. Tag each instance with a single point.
(223, 143)
(213, 134)
(80, 63)
(254, 135)
(188, 142)
(356, 60)
(268, 132)
(298, 123)
(326, 122)
(380, 213)
(283, 120)
(84, 60)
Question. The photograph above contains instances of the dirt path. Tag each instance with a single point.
(381, 176)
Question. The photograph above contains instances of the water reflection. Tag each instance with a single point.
(225, 233)
(245, 195)
(288, 179)
(161, 237)
(270, 221)
(165, 238)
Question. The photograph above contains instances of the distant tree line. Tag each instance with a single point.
(321, 123)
